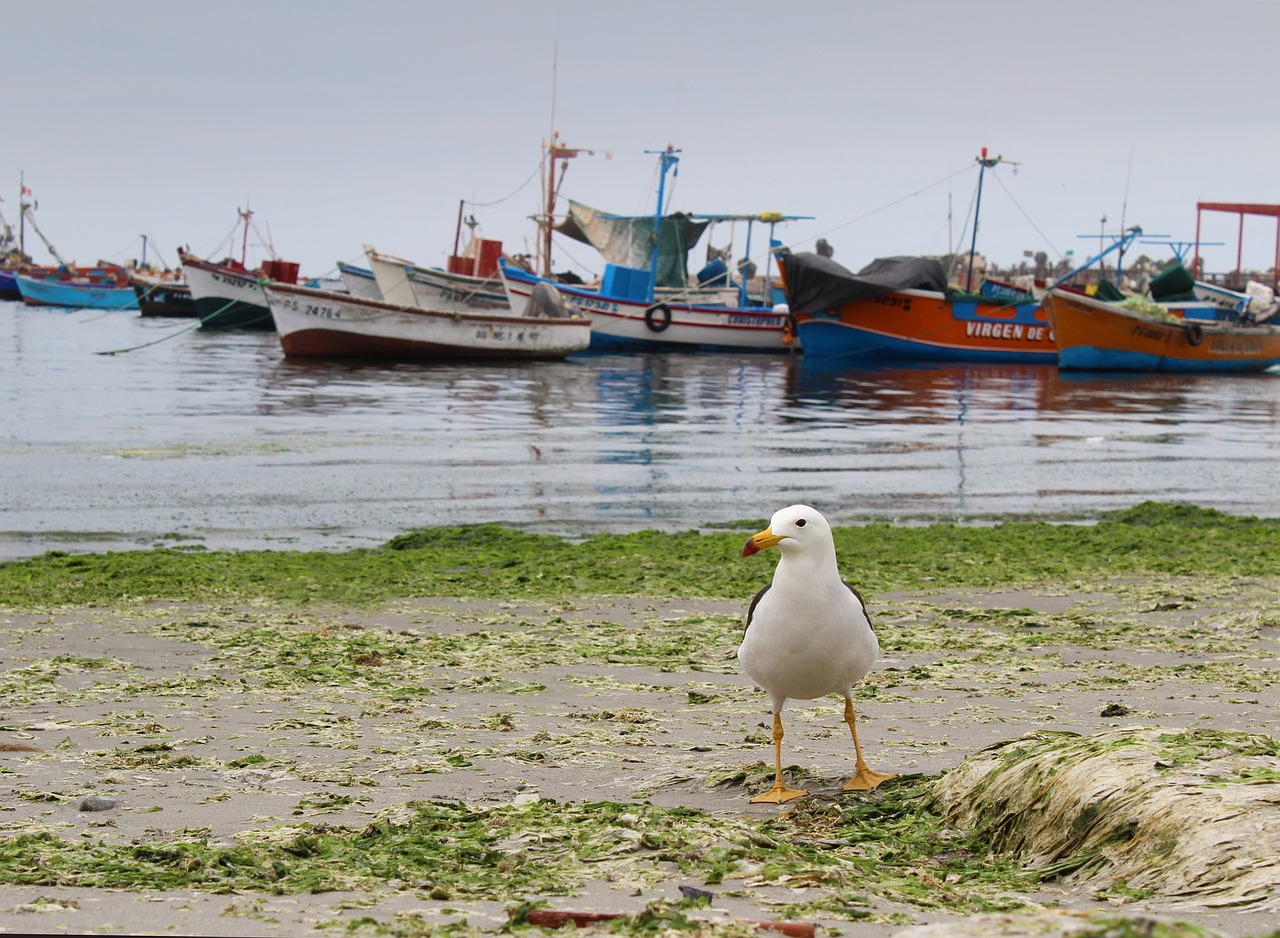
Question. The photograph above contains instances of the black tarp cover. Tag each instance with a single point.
(816, 283)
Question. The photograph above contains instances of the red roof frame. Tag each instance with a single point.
(1242, 209)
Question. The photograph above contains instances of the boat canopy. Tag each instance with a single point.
(628, 240)
(817, 283)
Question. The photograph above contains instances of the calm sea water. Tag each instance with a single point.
(215, 438)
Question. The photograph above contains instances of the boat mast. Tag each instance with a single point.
(984, 163)
(22, 212)
(244, 237)
(667, 161)
(457, 228)
(26, 211)
(556, 151)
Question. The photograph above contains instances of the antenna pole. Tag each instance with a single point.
(457, 229)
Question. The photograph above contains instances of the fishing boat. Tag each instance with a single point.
(654, 306)
(104, 287)
(359, 281)
(162, 294)
(12, 259)
(324, 324)
(901, 308)
(470, 282)
(1139, 334)
(227, 294)
(906, 309)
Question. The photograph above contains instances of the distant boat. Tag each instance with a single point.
(470, 283)
(159, 295)
(631, 309)
(1138, 334)
(80, 288)
(227, 294)
(324, 324)
(105, 286)
(1175, 284)
(13, 255)
(9, 285)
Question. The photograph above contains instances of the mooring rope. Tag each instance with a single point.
(185, 329)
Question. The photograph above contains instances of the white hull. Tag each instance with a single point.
(316, 323)
(210, 282)
(359, 283)
(403, 283)
(225, 297)
(616, 320)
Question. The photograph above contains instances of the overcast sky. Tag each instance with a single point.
(344, 123)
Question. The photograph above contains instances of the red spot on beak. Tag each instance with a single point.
(750, 548)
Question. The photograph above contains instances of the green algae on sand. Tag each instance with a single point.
(492, 561)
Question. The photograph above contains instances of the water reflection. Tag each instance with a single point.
(216, 436)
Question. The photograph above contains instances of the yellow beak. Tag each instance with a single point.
(761, 541)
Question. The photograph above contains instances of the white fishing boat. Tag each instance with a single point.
(404, 283)
(227, 294)
(324, 324)
(631, 308)
(359, 281)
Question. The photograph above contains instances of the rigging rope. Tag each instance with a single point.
(1054, 247)
(536, 171)
(185, 329)
(888, 205)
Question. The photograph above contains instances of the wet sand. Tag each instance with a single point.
(585, 731)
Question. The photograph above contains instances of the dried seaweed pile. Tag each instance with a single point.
(1193, 816)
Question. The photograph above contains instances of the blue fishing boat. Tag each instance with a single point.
(95, 288)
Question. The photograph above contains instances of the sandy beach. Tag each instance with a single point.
(232, 724)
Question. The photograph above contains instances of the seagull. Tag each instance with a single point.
(807, 634)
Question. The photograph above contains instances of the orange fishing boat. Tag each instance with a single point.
(901, 308)
(1098, 335)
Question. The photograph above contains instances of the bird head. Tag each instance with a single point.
(796, 529)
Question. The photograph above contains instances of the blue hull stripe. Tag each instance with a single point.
(825, 339)
(1089, 358)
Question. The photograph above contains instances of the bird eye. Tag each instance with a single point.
(800, 523)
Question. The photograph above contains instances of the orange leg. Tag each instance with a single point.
(779, 793)
(864, 779)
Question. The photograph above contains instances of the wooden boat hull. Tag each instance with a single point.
(226, 298)
(1092, 335)
(40, 292)
(923, 325)
(322, 324)
(623, 323)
